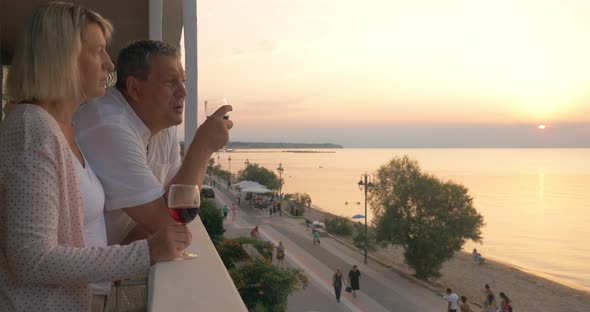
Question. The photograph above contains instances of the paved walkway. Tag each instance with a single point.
(381, 288)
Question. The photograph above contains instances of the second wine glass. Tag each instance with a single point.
(183, 205)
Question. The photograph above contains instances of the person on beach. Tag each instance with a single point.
(487, 291)
(234, 212)
(53, 246)
(453, 300)
(280, 254)
(337, 283)
(477, 257)
(137, 120)
(354, 278)
(225, 211)
(506, 303)
(465, 307)
(490, 304)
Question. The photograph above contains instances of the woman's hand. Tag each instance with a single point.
(168, 243)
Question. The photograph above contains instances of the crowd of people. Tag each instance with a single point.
(489, 302)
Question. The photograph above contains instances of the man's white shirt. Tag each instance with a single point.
(132, 167)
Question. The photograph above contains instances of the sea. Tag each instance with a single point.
(535, 202)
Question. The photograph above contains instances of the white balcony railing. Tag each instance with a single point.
(201, 284)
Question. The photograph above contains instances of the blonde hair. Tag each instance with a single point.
(45, 64)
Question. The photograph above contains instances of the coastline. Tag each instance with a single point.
(527, 290)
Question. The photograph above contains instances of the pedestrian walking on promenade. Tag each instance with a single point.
(225, 211)
(234, 211)
(254, 233)
(453, 300)
(354, 277)
(269, 251)
(280, 254)
(337, 283)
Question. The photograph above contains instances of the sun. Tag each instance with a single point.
(541, 127)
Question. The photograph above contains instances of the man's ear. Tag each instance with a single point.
(133, 86)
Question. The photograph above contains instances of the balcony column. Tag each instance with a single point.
(1, 91)
(190, 62)
(155, 22)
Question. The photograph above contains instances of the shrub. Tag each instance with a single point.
(265, 287)
(339, 226)
(212, 219)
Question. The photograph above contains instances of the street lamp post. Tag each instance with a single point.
(229, 171)
(365, 184)
(280, 170)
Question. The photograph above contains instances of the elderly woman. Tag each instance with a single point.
(47, 190)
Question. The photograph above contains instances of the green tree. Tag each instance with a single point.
(256, 173)
(430, 218)
(212, 219)
(297, 202)
(358, 238)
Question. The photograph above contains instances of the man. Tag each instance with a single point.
(453, 300)
(130, 139)
(354, 279)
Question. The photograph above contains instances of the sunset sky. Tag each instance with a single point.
(400, 73)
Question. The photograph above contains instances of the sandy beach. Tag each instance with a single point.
(528, 292)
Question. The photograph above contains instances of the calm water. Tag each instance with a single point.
(535, 202)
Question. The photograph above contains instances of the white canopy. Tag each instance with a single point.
(247, 184)
(256, 189)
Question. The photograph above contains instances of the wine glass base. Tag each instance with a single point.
(187, 256)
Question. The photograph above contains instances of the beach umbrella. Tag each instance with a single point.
(358, 216)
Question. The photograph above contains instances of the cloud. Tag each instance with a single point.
(264, 46)
(266, 107)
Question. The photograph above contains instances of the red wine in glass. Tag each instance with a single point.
(183, 214)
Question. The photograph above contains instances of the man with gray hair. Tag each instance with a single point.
(129, 137)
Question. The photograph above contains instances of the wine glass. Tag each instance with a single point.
(212, 105)
(183, 205)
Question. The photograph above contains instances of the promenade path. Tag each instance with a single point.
(381, 288)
